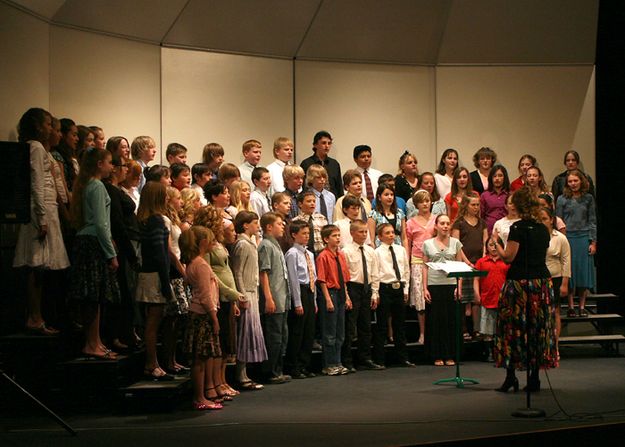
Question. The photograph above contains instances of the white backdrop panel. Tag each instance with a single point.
(227, 99)
(390, 108)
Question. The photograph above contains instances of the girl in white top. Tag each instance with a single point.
(171, 323)
(502, 226)
(558, 262)
(39, 244)
(445, 171)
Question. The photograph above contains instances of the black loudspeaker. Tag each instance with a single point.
(14, 182)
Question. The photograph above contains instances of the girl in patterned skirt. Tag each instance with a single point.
(202, 336)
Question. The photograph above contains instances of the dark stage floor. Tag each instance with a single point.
(399, 406)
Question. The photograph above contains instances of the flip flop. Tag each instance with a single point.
(42, 329)
(250, 386)
(108, 355)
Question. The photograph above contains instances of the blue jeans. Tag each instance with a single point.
(332, 328)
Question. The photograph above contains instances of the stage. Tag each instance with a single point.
(399, 406)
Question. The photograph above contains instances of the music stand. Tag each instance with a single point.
(458, 379)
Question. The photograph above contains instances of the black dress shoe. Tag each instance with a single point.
(407, 364)
(309, 374)
(371, 365)
(299, 375)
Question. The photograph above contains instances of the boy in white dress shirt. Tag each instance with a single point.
(352, 211)
(252, 152)
(283, 153)
(363, 286)
(260, 199)
(394, 275)
(370, 176)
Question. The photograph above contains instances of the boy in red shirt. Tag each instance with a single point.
(487, 289)
(332, 278)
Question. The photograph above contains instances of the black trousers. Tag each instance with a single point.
(357, 321)
(276, 335)
(301, 334)
(391, 304)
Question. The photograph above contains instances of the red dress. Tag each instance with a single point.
(517, 184)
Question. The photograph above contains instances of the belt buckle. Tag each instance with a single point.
(396, 285)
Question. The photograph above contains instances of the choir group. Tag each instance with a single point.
(252, 264)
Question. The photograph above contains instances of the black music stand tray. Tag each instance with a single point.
(459, 380)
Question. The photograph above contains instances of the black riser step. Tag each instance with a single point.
(591, 339)
(592, 317)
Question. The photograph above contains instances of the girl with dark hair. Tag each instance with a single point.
(460, 186)
(386, 211)
(86, 139)
(118, 146)
(493, 200)
(158, 173)
(445, 171)
(39, 243)
(65, 152)
(125, 233)
(93, 282)
(572, 162)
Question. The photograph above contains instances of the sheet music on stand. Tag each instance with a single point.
(450, 266)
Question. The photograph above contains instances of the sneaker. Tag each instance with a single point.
(286, 377)
(342, 370)
(309, 374)
(330, 371)
(276, 380)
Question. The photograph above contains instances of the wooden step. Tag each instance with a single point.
(592, 317)
(591, 339)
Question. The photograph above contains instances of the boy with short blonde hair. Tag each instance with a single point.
(316, 180)
(293, 177)
(363, 292)
(283, 153)
(143, 150)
